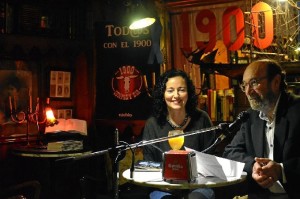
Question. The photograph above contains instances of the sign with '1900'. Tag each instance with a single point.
(121, 57)
(117, 31)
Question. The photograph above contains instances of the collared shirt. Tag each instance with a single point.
(269, 147)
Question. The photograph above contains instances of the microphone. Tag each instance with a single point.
(234, 126)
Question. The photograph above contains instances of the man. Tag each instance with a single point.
(269, 141)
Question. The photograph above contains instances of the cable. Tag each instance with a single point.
(211, 146)
(132, 158)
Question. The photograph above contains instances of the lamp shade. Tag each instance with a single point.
(141, 17)
(142, 23)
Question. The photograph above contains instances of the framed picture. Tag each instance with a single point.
(16, 88)
(63, 113)
(60, 84)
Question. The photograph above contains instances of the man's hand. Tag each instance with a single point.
(265, 172)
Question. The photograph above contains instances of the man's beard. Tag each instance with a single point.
(262, 103)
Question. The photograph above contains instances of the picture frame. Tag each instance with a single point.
(16, 90)
(60, 84)
(63, 113)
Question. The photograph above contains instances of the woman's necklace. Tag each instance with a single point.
(174, 126)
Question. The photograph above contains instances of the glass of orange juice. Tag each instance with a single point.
(177, 142)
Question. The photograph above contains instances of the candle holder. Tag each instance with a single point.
(42, 115)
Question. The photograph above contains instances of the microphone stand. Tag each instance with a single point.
(125, 147)
(115, 154)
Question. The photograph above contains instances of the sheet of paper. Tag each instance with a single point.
(210, 165)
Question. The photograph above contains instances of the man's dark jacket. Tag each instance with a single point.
(249, 143)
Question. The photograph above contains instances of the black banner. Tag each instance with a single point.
(122, 57)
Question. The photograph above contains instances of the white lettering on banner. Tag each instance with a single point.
(110, 45)
(126, 44)
(117, 31)
(142, 43)
(125, 115)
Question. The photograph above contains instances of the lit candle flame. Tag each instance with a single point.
(50, 115)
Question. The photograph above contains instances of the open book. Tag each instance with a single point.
(69, 125)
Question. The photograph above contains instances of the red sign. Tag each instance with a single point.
(127, 83)
(205, 23)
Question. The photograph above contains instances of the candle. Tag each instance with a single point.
(30, 103)
(37, 107)
(153, 79)
(197, 76)
(203, 80)
(145, 81)
(15, 102)
(10, 104)
(193, 73)
(184, 68)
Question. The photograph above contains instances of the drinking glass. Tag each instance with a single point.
(177, 142)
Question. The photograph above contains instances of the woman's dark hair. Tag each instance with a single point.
(159, 105)
(273, 69)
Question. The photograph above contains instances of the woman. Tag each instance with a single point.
(175, 107)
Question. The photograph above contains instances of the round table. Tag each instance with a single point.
(154, 179)
(54, 170)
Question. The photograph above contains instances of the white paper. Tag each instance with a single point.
(210, 165)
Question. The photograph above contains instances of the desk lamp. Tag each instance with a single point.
(141, 16)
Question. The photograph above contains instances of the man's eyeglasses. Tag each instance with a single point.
(253, 83)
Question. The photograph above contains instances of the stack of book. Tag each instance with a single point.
(69, 145)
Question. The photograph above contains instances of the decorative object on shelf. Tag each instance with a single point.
(42, 115)
(60, 84)
(149, 90)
